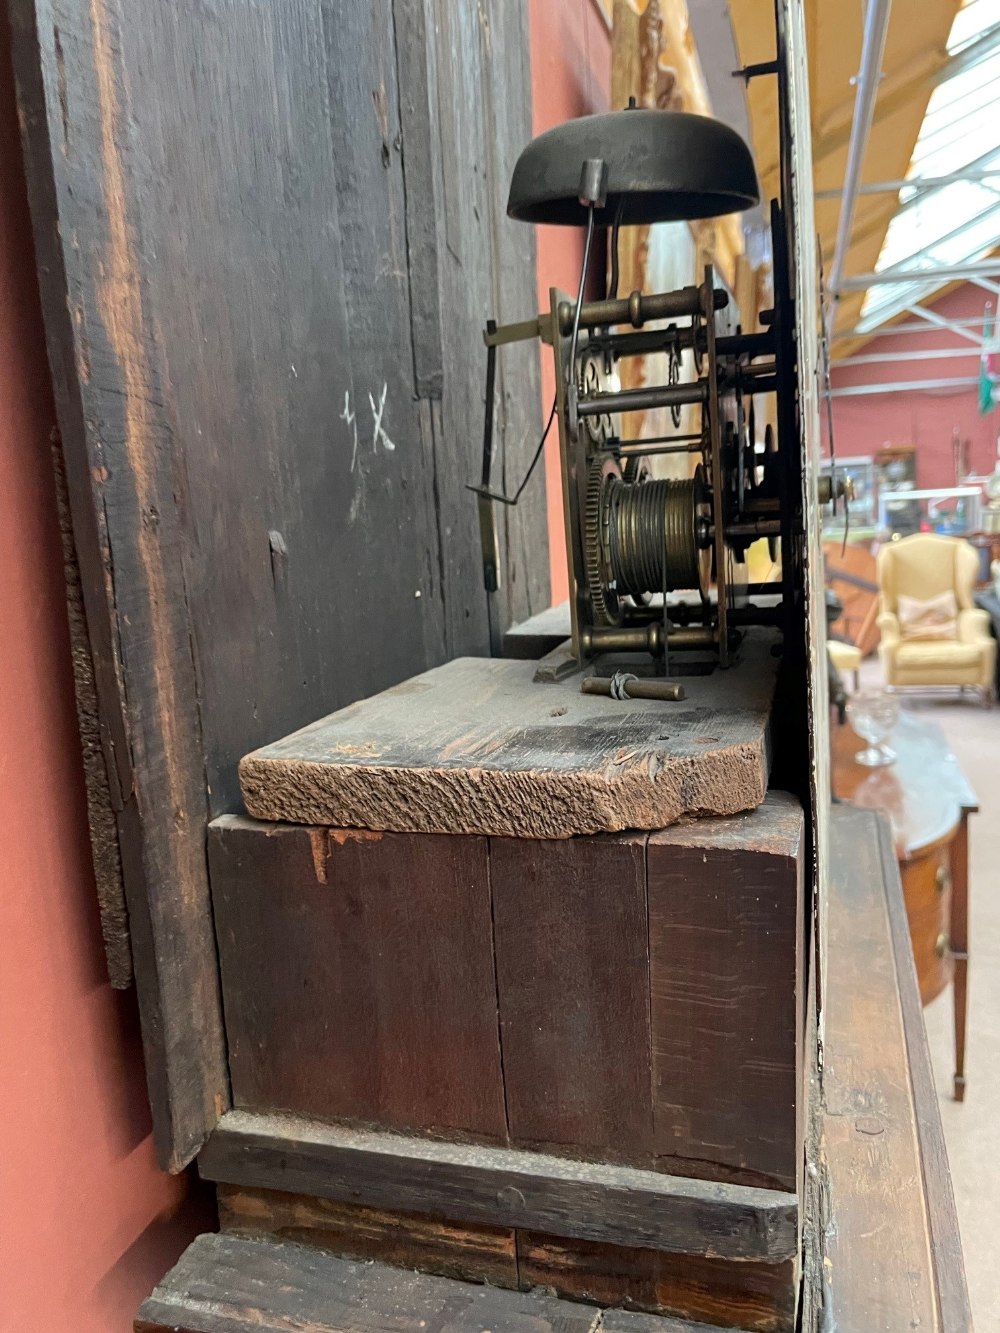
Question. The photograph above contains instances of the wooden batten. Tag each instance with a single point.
(503, 1187)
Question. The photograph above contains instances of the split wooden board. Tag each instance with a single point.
(232, 1284)
(477, 746)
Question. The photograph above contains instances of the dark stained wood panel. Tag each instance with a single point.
(502, 1187)
(232, 1284)
(264, 272)
(480, 746)
(357, 976)
(709, 1292)
(726, 934)
(573, 984)
(405, 1240)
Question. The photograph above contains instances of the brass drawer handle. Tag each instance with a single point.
(943, 879)
(942, 944)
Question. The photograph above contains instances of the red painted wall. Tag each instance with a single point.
(88, 1224)
(926, 418)
(570, 76)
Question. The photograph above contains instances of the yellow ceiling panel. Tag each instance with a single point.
(915, 52)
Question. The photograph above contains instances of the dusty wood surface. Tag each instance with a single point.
(234, 1284)
(726, 934)
(502, 1187)
(231, 1284)
(880, 1165)
(357, 976)
(268, 236)
(404, 1240)
(570, 935)
(477, 747)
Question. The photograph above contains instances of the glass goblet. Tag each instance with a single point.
(873, 714)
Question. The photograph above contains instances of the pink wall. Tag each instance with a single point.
(88, 1223)
(927, 418)
(570, 76)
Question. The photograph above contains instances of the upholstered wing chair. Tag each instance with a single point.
(924, 566)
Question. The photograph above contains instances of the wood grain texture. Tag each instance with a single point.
(232, 1284)
(708, 1291)
(243, 262)
(478, 747)
(878, 1145)
(405, 1240)
(502, 1187)
(570, 936)
(726, 934)
(124, 492)
(105, 852)
(357, 976)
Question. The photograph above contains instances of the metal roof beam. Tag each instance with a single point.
(866, 91)
(936, 276)
(921, 183)
(901, 386)
(889, 330)
(932, 317)
(923, 354)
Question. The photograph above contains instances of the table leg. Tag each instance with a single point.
(960, 945)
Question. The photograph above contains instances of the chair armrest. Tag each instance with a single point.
(973, 625)
(888, 623)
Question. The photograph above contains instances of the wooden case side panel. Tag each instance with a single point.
(357, 976)
(126, 498)
(726, 938)
(573, 986)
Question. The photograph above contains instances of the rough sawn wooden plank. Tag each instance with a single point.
(477, 746)
(232, 1284)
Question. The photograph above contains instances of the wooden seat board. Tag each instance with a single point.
(477, 746)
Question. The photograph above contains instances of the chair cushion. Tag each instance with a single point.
(935, 654)
(935, 618)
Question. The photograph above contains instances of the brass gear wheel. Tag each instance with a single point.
(603, 597)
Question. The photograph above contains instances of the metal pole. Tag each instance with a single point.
(890, 330)
(866, 91)
(938, 275)
(939, 321)
(932, 354)
(915, 183)
(904, 386)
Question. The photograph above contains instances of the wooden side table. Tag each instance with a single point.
(928, 801)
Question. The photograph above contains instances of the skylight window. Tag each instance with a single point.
(959, 221)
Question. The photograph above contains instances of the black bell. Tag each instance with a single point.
(667, 166)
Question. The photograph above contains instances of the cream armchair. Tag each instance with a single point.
(924, 566)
